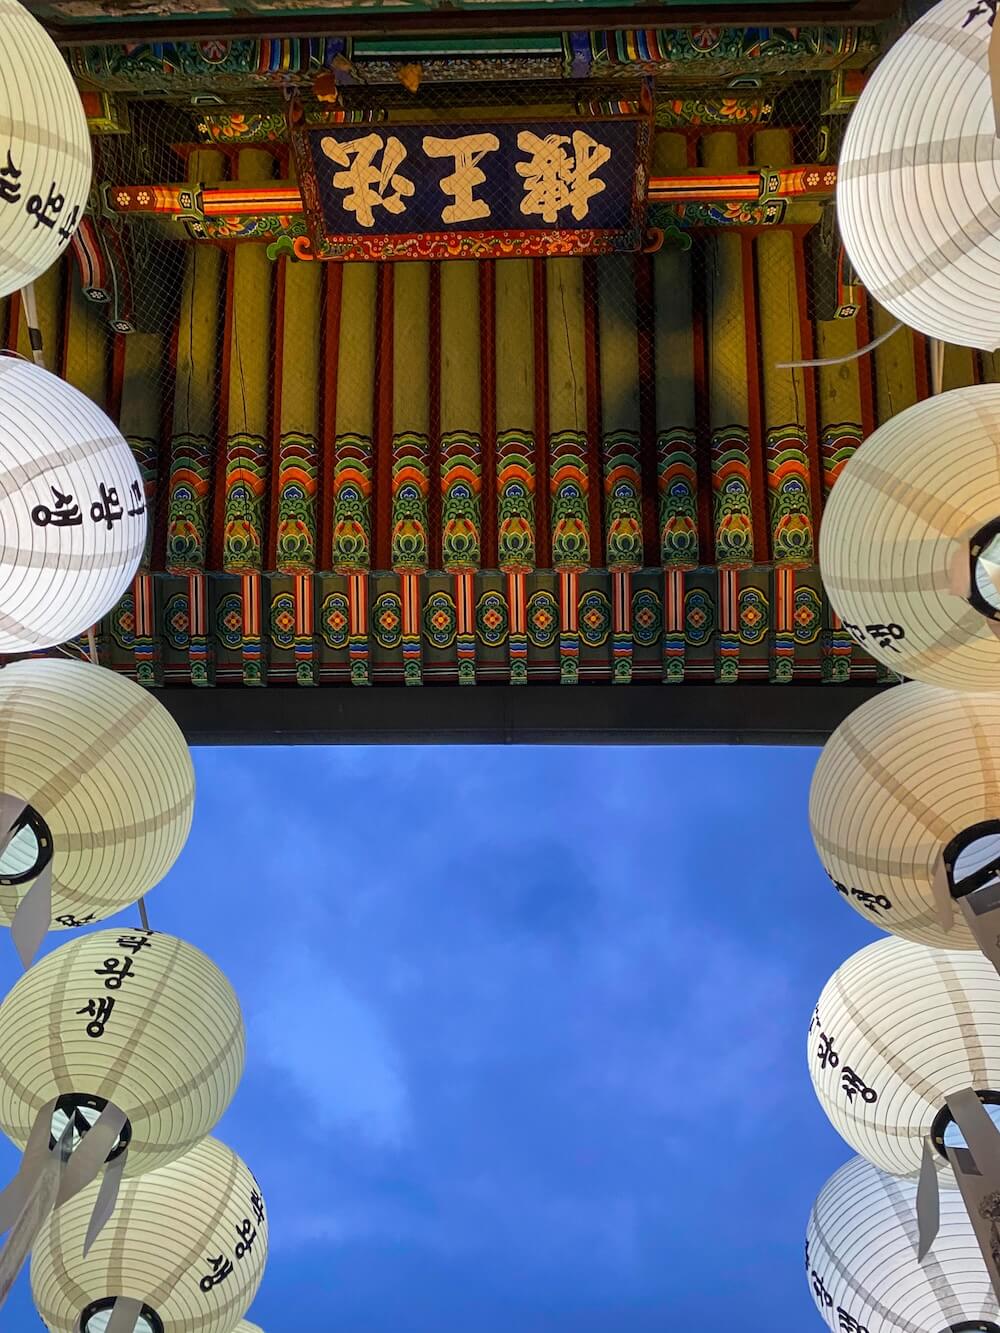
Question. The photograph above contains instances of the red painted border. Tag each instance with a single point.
(270, 544)
(809, 376)
(595, 471)
(216, 535)
(382, 478)
(645, 322)
(488, 370)
(434, 556)
(755, 413)
(332, 290)
(540, 313)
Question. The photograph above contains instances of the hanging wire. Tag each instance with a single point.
(840, 360)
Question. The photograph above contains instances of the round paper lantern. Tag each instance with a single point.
(188, 1241)
(139, 1019)
(107, 777)
(919, 179)
(910, 541)
(897, 1030)
(909, 775)
(72, 508)
(45, 160)
(861, 1261)
(245, 1326)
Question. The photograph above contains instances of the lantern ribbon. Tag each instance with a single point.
(981, 910)
(125, 1315)
(928, 1202)
(11, 809)
(50, 1176)
(31, 1217)
(977, 1171)
(31, 319)
(937, 365)
(33, 915)
(944, 903)
(31, 921)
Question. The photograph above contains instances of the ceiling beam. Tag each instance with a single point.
(455, 22)
(740, 714)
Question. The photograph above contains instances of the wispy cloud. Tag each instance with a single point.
(334, 1049)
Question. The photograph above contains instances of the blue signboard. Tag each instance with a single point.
(507, 187)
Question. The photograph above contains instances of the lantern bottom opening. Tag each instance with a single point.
(84, 1109)
(984, 570)
(28, 850)
(96, 1317)
(972, 858)
(945, 1133)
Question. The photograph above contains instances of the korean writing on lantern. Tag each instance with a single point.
(872, 902)
(46, 212)
(64, 512)
(560, 172)
(246, 1233)
(851, 1083)
(884, 635)
(114, 972)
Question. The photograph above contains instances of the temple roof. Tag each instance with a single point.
(447, 458)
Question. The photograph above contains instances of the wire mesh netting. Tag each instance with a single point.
(486, 328)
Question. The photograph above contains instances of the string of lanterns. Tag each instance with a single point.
(903, 1046)
(120, 1050)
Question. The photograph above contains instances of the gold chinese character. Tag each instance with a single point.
(555, 178)
(468, 152)
(370, 186)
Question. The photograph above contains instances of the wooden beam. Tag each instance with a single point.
(454, 22)
(741, 714)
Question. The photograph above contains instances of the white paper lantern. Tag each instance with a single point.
(245, 1326)
(189, 1241)
(918, 182)
(861, 1261)
(897, 1030)
(108, 781)
(45, 159)
(72, 510)
(141, 1020)
(917, 507)
(911, 773)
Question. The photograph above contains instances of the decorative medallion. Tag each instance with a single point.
(229, 620)
(283, 620)
(647, 617)
(595, 618)
(177, 621)
(123, 623)
(387, 620)
(543, 619)
(807, 615)
(440, 620)
(335, 620)
(754, 617)
(492, 618)
(699, 617)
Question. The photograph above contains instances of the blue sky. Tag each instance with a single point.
(526, 1031)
